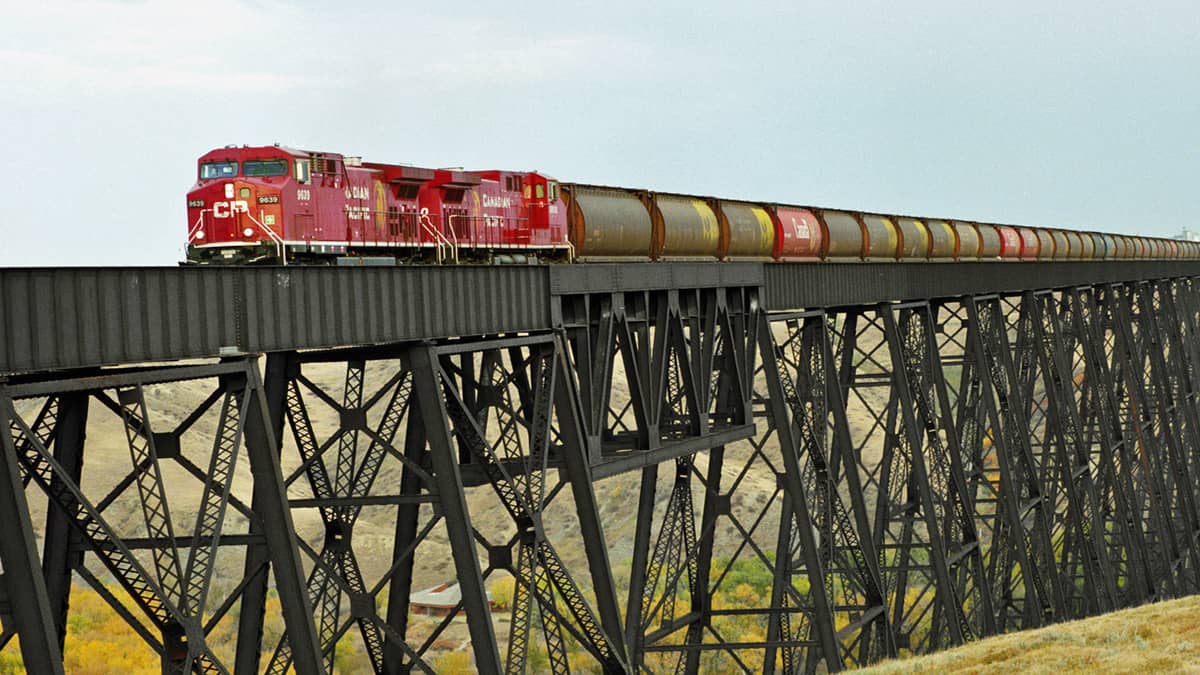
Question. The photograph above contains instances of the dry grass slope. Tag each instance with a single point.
(1158, 638)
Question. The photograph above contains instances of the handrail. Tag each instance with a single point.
(446, 247)
(199, 223)
(279, 246)
(427, 223)
(487, 220)
(275, 238)
(519, 219)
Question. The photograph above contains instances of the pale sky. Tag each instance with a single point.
(1072, 114)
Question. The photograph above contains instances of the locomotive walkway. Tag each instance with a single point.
(912, 455)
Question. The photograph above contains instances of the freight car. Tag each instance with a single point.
(277, 205)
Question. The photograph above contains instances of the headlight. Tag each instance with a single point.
(249, 232)
(200, 234)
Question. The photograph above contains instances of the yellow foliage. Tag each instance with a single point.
(452, 662)
(100, 642)
(744, 596)
(10, 659)
(502, 591)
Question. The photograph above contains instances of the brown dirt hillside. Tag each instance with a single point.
(1157, 638)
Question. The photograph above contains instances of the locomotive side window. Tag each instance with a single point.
(214, 170)
(454, 195)
(302, 175)
(540, 191)
(553, 191)
(324, 165)
(265, 167)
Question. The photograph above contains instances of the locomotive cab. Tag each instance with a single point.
(547, 216)
(235, 209)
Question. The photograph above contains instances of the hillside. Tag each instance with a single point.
(1158, 638)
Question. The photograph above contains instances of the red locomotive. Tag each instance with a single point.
(278, 205)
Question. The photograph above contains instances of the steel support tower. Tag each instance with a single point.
(676, 467)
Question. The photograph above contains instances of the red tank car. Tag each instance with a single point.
(799, 234)
(1011, 243)
(1030, 245)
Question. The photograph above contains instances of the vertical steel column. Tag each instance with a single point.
(1168, 410)
(1022, 493)
(883, 643)
(966, 553)
(702, 599)
(810, 387)
(1090, 322)
(1177, 323)
(271, 502)
(258, 557)
(1132, 360)
(400, 587)
(920, 479)
(1073, 458)
(636, 348)
(1019, 361)
(31, 609)
(62, 551)
(575, 455)
(641, 555)
(845, 377)
(1187, 335)
(427, 381)
(804, 394)
(777, 624)
(723, 352)
(823, 612)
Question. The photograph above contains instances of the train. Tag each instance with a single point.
(279, 205)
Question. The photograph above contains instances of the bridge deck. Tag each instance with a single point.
(65, 318)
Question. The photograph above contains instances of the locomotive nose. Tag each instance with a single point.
(202, 204)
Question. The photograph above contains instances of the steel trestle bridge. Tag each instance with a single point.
(910, 455)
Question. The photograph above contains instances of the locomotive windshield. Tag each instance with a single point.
(212, 170)
(265, 167)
